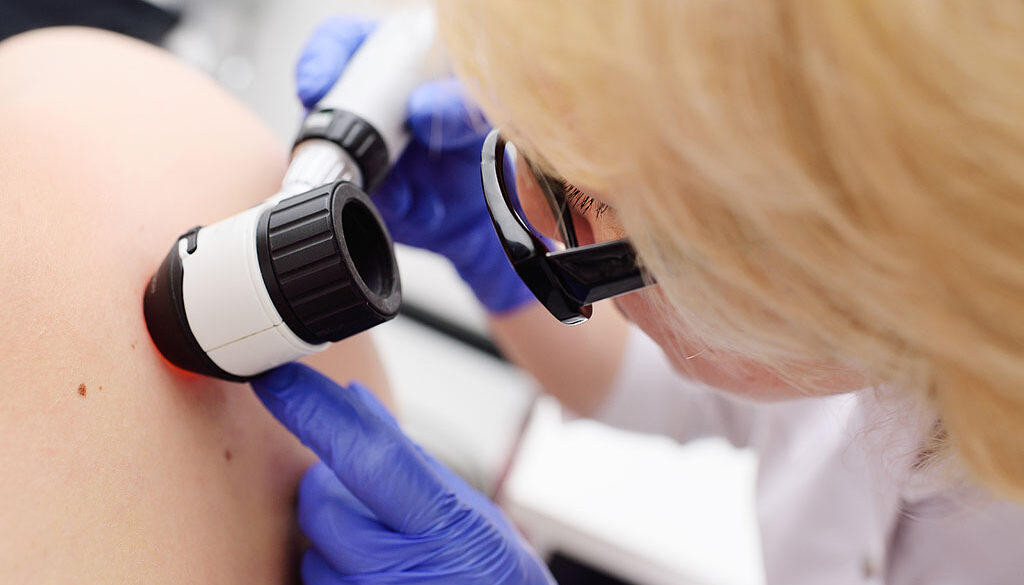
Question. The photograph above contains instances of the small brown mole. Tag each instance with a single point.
(99, 387)
(81, 389)
(227, 455)
(133, 345)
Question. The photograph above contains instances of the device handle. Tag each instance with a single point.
(401, 54)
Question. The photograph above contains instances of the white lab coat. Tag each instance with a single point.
(838, 499)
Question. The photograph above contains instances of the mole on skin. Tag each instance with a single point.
(81, 389)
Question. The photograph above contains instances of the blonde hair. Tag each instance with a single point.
(838, 180)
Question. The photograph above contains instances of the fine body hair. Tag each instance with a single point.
(834, 181)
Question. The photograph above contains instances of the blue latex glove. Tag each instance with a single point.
(433, 197)
(377, 509)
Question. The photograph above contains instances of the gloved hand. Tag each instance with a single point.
(377, 509)
(433, 197)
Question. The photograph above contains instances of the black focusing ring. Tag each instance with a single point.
(355, 136)
(308, 273)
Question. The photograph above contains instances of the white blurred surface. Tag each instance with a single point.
(641, 507)
(462, 405)
(251, 47)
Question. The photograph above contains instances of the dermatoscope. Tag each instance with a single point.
(314, 263)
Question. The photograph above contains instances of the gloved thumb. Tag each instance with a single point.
(442, 116)
(355, 437)
(326, 53)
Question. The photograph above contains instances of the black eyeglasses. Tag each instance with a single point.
(566, 281)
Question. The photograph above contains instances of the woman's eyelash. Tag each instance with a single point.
(581, 201)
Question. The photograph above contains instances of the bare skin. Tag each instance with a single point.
(117, 467)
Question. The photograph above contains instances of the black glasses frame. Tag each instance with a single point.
(566, 281)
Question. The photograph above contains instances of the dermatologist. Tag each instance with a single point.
(813, 212)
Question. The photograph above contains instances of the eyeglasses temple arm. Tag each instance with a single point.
(599, 271)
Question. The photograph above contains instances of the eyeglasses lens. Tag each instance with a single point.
(537, 200)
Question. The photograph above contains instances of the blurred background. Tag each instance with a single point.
(601, 505)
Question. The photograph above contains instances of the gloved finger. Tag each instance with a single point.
(427, 212)
(348, 535)
(403, 199)
(366, 451)
(480, 243)
(393, 197)
(367, 397)
(321, 498)
(442, 116)
(475, 498)
(317, 571)
(326, 53)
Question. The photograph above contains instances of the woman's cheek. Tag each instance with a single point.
(647, 308)
(640, 307)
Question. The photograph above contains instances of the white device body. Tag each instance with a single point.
(402, 54)
(226, 301)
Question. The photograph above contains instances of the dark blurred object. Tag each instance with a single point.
(568, 571)
(135, 18)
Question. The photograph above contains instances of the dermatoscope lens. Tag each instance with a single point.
(368, 247)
